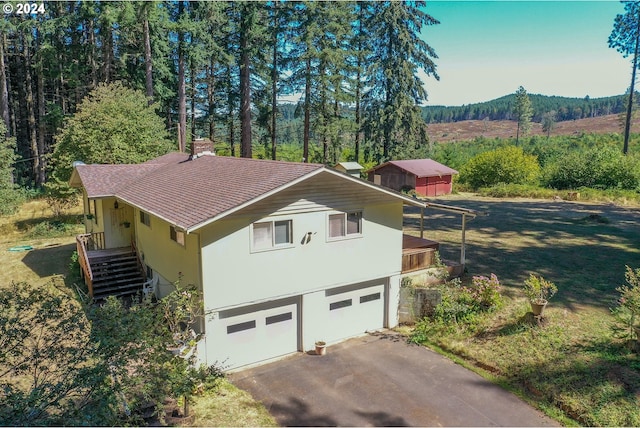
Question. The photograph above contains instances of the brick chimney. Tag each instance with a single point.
(201, 147)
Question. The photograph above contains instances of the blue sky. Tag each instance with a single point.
(487, 49)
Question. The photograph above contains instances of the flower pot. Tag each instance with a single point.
(538, 307)
(321, 348)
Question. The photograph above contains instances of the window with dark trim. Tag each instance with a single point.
(176, 235)
(145, 219)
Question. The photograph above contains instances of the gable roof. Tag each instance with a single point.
(192, 193)
(349, 165)
(420, 167)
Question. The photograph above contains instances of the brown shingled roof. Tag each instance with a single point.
(100, 181)
(189, 193)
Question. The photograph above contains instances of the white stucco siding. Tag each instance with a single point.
(234, 275)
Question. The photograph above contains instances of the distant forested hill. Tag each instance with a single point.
(502, 109)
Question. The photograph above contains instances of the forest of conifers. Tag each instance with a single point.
(218, 69)
(503, 108)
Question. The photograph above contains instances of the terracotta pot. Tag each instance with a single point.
(538, 308)
(321, 348)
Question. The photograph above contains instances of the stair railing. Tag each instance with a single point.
(140, 264)
(83, 260)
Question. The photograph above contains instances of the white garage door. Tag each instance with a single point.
(254, 333)
(354, 310)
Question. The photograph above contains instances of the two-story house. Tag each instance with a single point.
(285, 253)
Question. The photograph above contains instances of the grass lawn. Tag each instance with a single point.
(572, 362)
(53, 242)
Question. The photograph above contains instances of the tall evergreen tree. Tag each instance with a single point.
(625, 38)
(393, 123)
(523, 113)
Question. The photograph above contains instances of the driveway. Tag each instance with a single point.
(380, 380)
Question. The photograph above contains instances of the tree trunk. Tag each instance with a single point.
(358, 113)
(307, 112)
(230, 113)
(211, 100)
(245, 89)
(193, 101)
(147, 58)
(274, 81)
(91, 39)
(4, 91)
(31, 115)
(182, 96)
(627, 123)
(40, 178)
(107, 53)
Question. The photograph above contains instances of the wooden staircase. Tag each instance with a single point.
(115, 273)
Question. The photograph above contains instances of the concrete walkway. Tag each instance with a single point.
(380, 380)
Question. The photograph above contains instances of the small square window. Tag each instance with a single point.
(145, 218)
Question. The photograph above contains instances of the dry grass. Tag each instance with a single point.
(229, 406)
(51, 253)
(470, 129)
(573, 361)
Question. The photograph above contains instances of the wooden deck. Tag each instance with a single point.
(417, 253)
(112, 252)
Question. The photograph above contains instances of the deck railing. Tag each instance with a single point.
(417, 258)
(82, 242)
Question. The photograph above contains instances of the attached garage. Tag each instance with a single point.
(256, 333)
(261, 332)
(353, 310)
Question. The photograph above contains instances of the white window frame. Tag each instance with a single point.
(178, 233)
(345, 215)
(273, 246)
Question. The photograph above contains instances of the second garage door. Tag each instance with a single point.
(354, 310)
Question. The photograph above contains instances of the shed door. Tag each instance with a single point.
(255, 333)
(354, 310)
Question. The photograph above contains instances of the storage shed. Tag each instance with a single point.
(351, 168)
(426, 176)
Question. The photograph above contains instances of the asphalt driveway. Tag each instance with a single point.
(380, 380)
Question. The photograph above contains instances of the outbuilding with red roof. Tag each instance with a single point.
(426, 176)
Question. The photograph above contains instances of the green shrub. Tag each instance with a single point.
(10, 200)
(50, 229)
(461, 306)
(517, 191)
(504, 165)
(600, 167)
(485, 292)
(627, 313)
